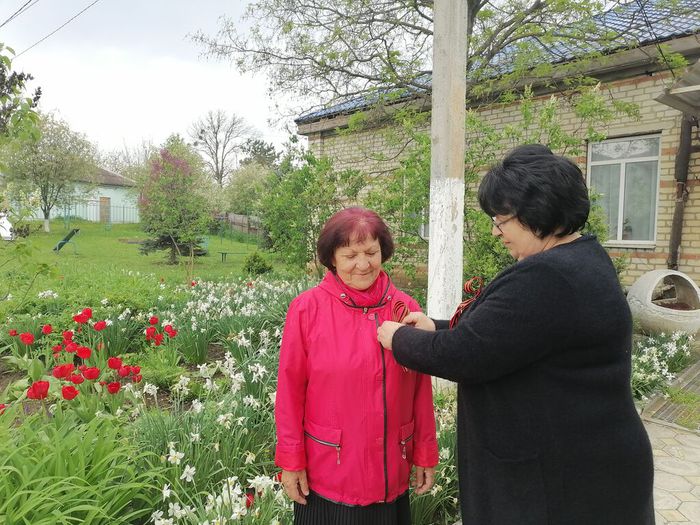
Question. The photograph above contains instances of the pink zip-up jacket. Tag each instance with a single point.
(345, 410)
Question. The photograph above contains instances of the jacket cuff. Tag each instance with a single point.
(290, 458)
(425, 454)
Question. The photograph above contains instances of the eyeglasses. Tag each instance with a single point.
(499, 224)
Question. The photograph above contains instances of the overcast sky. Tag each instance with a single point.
(124, 71)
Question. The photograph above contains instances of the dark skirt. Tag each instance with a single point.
(320, 511)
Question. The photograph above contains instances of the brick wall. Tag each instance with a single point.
(374, 151)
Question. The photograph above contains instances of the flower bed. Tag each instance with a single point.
(165, 414)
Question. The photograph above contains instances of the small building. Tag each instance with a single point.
(108, 197)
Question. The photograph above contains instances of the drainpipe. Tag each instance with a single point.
(681, 176)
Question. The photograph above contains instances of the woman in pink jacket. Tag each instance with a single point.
(351, 422)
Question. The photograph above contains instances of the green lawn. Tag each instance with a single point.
(106, 263)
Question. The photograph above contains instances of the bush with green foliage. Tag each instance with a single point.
(255, 264)
(299, 199)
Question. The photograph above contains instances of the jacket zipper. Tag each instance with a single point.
(386, 469)
(403, 445)
(327, 443)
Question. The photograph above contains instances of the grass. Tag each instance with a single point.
(690, 402)
(106, 263)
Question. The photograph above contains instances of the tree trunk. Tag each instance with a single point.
(47, 224)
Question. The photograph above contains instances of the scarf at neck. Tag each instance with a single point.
(372, 296)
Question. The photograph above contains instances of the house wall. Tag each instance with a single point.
(122, 205)
(363, 149)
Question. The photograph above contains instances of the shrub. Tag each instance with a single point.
(255, 264)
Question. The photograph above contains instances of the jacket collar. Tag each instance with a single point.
(376, 296)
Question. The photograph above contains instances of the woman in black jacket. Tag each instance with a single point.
(547, 429)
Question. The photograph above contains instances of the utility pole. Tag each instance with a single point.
(445, 250)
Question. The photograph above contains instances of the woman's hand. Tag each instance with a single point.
(385, 333)
(420, 320)
(424, 479)
(295, 485)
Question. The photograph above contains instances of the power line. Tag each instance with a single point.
(21, 10)
(656, 38)
(57, 29)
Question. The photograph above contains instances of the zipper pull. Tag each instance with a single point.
(364, 310)
(403, 449)
(337, 451)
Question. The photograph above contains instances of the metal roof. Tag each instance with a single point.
(643, 21)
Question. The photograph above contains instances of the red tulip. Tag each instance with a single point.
(158, 339)
(38, 390)
(153, 320)
(83, 352)
(56, 348)
(249, 499)
(114, 387)
(71, 347)
(114, 363)
(100, 325)
(46, 329)
(82, 368)
(81, 319)
(3, 406)
(69, 392)
(87, 312)
(27, 338)
(137, 378)
(63, 371)
(67, 336)
(135, 370)
(150, 333)
(13, 332)
(193, 283)
(124, 371)
(91, 373)
(76, 379)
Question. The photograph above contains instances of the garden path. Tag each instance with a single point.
(676, 474)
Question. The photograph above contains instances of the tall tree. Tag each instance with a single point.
(257, 151)
(342, 49)
(219, 138)
(17, 115)
(51, 165)
(173, 207)
(131, 162)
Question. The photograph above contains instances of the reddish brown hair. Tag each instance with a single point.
(352, 223)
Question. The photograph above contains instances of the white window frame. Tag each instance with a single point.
(622, 243)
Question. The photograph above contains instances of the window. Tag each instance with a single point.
(625, 173)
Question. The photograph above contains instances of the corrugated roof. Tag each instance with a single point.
(105, 177)
(633, 18)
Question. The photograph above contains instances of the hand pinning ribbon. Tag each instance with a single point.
(399, 311)
(472, 289)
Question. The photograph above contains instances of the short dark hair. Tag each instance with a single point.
(545, 192)
(354, 222)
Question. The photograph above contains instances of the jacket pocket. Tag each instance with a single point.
(515, 488)
(324, 437)
(406, 441)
